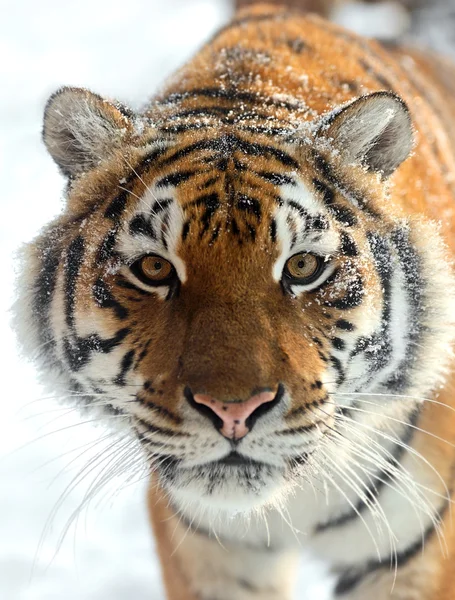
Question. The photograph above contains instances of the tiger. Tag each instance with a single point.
(253, 278)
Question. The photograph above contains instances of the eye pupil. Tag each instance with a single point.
(304, 268)
(153, 270)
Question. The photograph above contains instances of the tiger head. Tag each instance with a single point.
(230, 296)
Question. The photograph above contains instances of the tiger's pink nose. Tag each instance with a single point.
(234, 415)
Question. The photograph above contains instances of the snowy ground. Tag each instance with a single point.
(121, 50)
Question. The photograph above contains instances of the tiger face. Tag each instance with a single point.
(226, 296)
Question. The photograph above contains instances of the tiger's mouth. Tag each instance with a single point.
(235, 459)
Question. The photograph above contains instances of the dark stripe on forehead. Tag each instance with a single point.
(232, 95)
(211, 204)
(160, 205)
(250, 205)
(209, 201)
(141, 225)
(225, 145)
(175, 179)
(276, 178)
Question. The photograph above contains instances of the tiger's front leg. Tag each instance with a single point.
(197, 566)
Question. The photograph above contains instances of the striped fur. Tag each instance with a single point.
(259, 149)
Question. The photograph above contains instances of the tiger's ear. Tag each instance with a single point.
(81, 129)
(374, 130)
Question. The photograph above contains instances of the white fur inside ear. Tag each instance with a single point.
(375, 131)
(81, 129)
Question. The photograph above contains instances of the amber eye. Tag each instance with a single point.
(304, 268)
(153, 270)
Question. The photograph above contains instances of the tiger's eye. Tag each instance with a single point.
(303, 266)
(155, 268)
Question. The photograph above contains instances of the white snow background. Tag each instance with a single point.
(122, 50)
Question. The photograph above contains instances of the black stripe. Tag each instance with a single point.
(104, 299)
(378, 347)
(159, 409)
(297, 45)
(125, 367)
(249, 204)
(273, 230)
(160, 205)
(379, 77)
(77, 350)
(328, 194)
(348, 246)
(185, 230)
(161, 430)
(175, 179)
(353, 298)
(215, 233)
(106, 249)
(338, 343)
(73, 263)
(117, 206)
(142, 225)
(301, 429)
(352, 578)
(227, 144)
(276, 178)
(411, 266)
(44, 288)
(124, 283)
(336, 363)
(342, 214)
(231, 94)
(345, 325)
(329, 175)
(211, 204)
(296, 206)
(381, 478)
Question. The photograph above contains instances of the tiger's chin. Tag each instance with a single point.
(218, 489)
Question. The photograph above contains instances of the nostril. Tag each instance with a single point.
(265, 408)
(202, 409)
(235, 419)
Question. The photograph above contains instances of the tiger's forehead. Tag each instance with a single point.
(240, 201)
